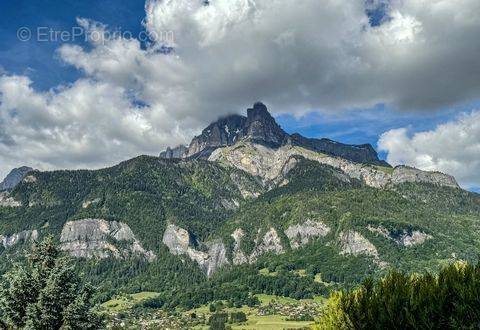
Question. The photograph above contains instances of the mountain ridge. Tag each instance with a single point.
(260, 127)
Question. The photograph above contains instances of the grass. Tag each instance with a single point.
(122, 303)
(270, 322)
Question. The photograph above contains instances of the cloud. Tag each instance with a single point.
(452, 148)
(297, 56)
(86, 124)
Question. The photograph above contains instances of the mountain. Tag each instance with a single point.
(261, 128)
(14, 177)
(246, 209)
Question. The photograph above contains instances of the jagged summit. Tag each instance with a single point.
(260, 127)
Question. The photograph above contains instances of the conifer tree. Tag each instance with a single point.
(44, 292)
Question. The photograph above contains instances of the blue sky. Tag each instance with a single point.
(349, 72)
(39, 61)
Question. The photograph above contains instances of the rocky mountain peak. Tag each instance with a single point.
(224, 132)
(260, 127)
(14, 177)
(258, 112)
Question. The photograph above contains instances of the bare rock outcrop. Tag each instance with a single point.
(239, 256)
(352, 242)
(177, 152)
(180, 242)
(301, 234)
(97, 238)
(23, 236)
(7, 201)
(270, 242)
(273, 164)
(402, 174)
(403, 237)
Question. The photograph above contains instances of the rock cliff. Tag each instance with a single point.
(98, 238)
(362, 153)
(269, 242)
(352, 242)
(223, 132)
(7, 201)
(180, 242)
(403, 174)
(177, 152)
(23, 236)
(272, 165)
(301, 234)
(239, 256)
(403, 237)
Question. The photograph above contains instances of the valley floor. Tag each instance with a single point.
(126, 312)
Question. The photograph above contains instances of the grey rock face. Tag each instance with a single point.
(301, 234)
(217, 257)
(270, 242)
(272, 165)
(14, 239)
(352, 242)
(14, 178)
(177, 239)
(261, 127)
(224, 132)
(238, 256)
(180, 242)
(363, 153)
(96, 238)
(7, 201)
(403, 237)
(177, 152)
(402, 174)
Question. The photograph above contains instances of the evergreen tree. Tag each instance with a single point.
(44, 292)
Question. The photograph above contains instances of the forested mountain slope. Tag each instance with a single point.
(249, 217)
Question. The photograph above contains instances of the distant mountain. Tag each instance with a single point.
(261, 128)
(244, 209)
(14, 177)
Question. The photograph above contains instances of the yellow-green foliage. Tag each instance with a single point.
(447, 301)
(334, 317)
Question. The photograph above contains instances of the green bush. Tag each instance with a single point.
(450, 300)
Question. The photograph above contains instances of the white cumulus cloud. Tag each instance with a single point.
(452, 148)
